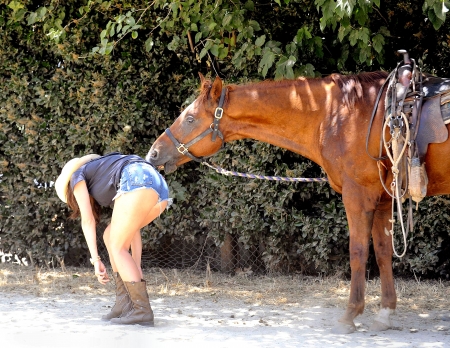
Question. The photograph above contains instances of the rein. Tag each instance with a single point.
(214, 129)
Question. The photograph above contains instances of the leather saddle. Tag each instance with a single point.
(435, 113)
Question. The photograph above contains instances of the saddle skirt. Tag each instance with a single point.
(435, 113)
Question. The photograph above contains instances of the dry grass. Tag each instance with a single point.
(413, 295)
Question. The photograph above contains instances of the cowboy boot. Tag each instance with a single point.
(123, 302)
(141, 312)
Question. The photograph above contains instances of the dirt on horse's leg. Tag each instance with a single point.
(360, 219)
(383, 251)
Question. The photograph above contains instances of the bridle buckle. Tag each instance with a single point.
(219, 113)
(182, 149)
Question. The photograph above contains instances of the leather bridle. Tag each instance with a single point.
(213, 128)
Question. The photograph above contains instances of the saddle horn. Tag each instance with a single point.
(406, 59)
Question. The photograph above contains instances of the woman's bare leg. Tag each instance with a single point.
(132, 211)
(136, 250)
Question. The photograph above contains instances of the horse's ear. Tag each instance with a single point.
(202, 78)
(216, 89)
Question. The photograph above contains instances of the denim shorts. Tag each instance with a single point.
(140, 175)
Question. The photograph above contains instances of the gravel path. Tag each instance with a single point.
(72, 320)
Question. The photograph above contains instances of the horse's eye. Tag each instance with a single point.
(190, 119)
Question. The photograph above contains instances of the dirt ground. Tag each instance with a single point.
(56, 308)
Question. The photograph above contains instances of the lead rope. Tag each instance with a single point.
(264, 177)
(398, 150)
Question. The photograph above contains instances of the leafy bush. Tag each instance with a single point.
(83, 77)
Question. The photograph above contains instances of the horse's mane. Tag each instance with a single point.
(351, 86)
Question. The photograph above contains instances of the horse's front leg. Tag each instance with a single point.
(359, 207)
(383, 251)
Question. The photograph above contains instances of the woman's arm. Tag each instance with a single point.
(88, 225)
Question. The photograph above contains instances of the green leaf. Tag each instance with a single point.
(227, 19)
(223, 52)
(174, 44)
(15, 5)
(211, 26)
(306, 70)
(214, 50)
(41, 12)
(378, 43)
(203, 53)
(266, 62)
(134, 34)
(346, 6)
(255, 25)
(434, 19)
(249, 5)
(149, 44)
(353, 37)
(364, 35)
(130, 21)
(260, 40)
(32, 18)
(342, 32)
(365, 54)
(198, 36)
(109, 48)
(440, 10)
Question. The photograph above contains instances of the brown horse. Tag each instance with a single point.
(325, 120)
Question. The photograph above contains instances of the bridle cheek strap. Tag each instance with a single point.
(218, 115)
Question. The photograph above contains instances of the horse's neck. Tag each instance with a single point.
(286, 114)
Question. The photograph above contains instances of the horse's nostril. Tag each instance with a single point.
(154, 154)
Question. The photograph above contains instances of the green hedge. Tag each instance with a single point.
(58, 101)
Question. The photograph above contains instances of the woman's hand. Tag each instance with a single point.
(100, 272)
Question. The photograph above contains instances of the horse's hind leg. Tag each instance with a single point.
(383, 251)
(360, 208)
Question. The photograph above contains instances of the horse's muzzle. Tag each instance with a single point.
(154, 158)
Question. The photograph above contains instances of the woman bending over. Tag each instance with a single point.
(138, 194)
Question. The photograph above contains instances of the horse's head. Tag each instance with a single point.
(195, 133)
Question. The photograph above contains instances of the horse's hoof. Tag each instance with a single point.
(344, 328)
(382, 322)
(379, 326)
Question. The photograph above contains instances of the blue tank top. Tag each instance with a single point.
(102, 175)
